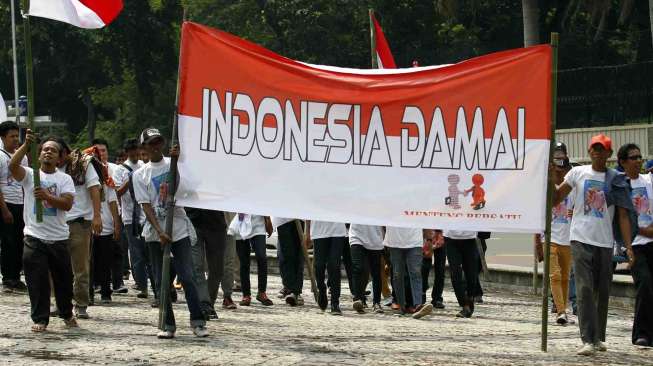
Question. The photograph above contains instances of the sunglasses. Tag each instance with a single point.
(634, 157)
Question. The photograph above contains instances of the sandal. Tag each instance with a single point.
(71, 322)
(39, 327)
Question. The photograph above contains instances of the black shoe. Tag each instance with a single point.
(291, 299)
(464, 313)
(213, 315)
(478, 299)
(335, 310)
(322, 300)
(105, 299)
(438, 304)
(359, 307)
(641, 341)
(20, 286)
(121, 290)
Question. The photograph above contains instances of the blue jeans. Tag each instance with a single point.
(407, 259)
(183, 261)
(137, 253)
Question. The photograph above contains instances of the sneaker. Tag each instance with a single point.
(228, 303)
(322, 300)
(105, 300)
(166, 334)
(600, 346)
(142, 294)
(335, 310)
(586, 350)
(121, 290)
(262, 297)
(562, 319)
(438, 304)
(387, 301)
(80, 312)
(478, 299)
(246, 301)
(200, 331)
(377, 308)
(464, 313)
(283, 293)
(300, 300)
(291, 299)
(643, 342)
(20, 286)
(422, 311)
(71, 322)
(359, 307)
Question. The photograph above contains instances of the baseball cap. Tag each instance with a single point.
(560, 146)
(603, 140)
(150, 134)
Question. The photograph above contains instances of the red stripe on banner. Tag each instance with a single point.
(382, 47)
(107, 10)
(514, 83)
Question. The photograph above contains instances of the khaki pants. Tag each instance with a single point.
(80, 258)
(560, 270)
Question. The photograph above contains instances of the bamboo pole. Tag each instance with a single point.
(549, 191)
(15, 60)
(30, 106)
(170, 200)
(307, 259)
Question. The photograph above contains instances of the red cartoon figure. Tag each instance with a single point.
(478, 193)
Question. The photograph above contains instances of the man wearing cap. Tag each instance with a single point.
(151, 190)
(601, 216)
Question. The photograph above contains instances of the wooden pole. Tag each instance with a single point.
(15, 60)
(170, 201)
(549, 191)
(307, 259)
(30, 106)
(373, 40)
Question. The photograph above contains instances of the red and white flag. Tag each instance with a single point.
(383, 54)
(90, 14)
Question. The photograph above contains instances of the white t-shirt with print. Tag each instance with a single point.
(369, 236)
(591, 222)
(83, 207)
(151, 186)
(325, 229)
(403, 238)
(121, 176)
(10, 188)
(561, 220)
(54, 225)
(642, 197)
(105, 212)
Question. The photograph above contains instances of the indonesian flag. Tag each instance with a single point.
(383, 54)
(90, 14)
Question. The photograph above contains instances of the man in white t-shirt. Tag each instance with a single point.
(291, 259)
(104, 245)
(630, 159)
(463, 256)
(11, 210)
(366, 243)
(45, 254)
(601, 202)
(151, 188)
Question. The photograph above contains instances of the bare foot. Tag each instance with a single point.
(38, 328)
(71, 322)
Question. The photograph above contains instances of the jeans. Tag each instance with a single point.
(11, 245)
(183, 262)
(41, 262)
(141, 269)
(437, 262)
(407, 259)
(366, 262)
(79, 248)
(327, 254)
(642, 272)
(244, 248)
(463, 260)
(291, 257)
(593, 270)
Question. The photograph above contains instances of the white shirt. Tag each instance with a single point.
(54, 225)
(459, 234)
(561, 222)
(325, 229)
(151, 186)
(278, 221)
(592, 220)
(121, 176)
(641, 196)
(403, 238)
(83, 207)
(10, 188)
(105, 212)
(369, 236)
(245, 226)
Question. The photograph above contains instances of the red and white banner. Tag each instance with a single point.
(457, 147)
(80, 13)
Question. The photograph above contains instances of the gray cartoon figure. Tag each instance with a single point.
(454, 192)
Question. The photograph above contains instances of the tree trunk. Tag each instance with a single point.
(531, 15)
(90, 116)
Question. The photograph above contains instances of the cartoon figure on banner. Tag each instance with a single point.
(452, 200)
(478, 193)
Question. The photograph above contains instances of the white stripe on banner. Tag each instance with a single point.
(68, 11)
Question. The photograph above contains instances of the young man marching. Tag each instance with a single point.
(45, 253)
(602, 209)
(366, 252)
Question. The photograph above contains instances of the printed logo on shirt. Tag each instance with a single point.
(160, 184)
(561, 212)
(48, 209)
(594, 203)
(640, 199)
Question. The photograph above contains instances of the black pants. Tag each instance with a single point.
(346, 260)
(479, 290)
(117, 265)
(292, 265)
(437, 263)
(11, 245)
(244, 248)
(103, 248)
(215, 244)
(463, 259)
(642, 273)
(327, 253)
(42, 261)
(366, 262)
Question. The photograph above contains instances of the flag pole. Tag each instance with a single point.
(373, 40)
(30, 105)
(13, 44)
(307, 259)
(549, 191)
(170, 200)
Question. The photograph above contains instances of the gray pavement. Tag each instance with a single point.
(504, 331)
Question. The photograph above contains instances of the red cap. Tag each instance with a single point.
(602, 139)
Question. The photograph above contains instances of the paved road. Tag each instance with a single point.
(504, 331)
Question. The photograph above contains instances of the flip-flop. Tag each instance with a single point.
(39, 327)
